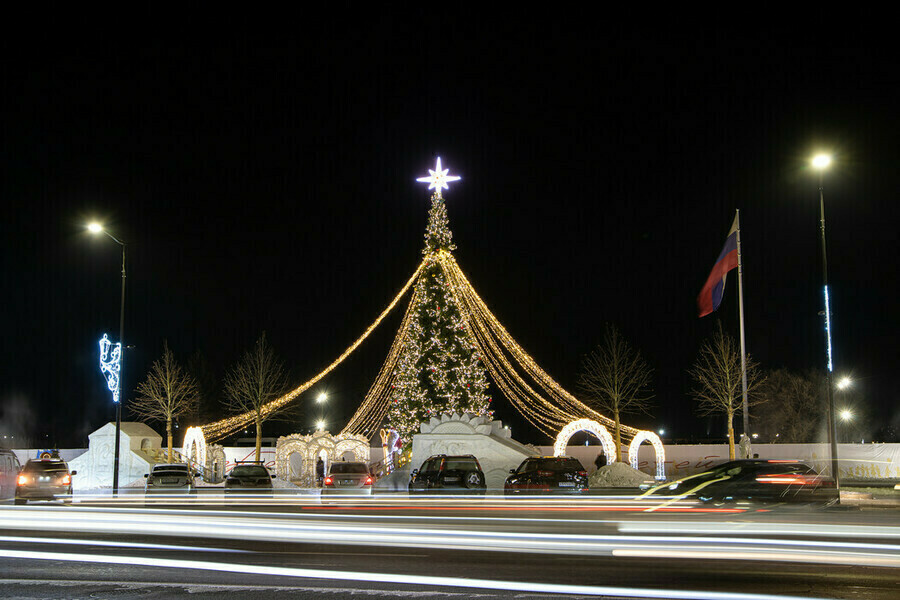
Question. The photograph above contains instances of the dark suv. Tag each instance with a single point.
(547, 475)
(448, 474)
(44, 479)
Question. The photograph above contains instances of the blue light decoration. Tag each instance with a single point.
(110, 364)
(828, 331)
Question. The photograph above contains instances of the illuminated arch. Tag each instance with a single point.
(648, 436)
(591, 426)
(194, 446)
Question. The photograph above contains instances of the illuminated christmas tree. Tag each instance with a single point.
(439, 369)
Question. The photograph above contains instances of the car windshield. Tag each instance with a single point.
(170, 473)
(46, 467)
(553, 464)
(460, 464)
(352, 467)
(249, 471)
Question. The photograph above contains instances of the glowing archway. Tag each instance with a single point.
(591, 426)
(194, 445)
(648, 436)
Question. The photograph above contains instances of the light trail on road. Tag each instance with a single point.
(358, 576)
(299, 527)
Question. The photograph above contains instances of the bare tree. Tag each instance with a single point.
(257, 379)
(615, 380)
(794, 406)
(167, 393)
(717, 374)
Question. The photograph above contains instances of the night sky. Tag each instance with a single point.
(268, 184)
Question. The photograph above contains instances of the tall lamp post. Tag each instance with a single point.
(821, 162)
(96, 228)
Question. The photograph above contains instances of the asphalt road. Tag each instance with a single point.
(455, 548)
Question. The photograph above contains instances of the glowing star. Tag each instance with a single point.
(110, 364)
(438, 178)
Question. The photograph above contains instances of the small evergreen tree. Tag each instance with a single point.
(439, 369)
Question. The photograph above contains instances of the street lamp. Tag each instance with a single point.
(320, 425)
(323, 397)
(844, 383)
(96, 228)
(820, 162)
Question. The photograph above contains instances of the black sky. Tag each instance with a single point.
(268, 184)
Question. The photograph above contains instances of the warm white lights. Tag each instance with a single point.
(321, 398)
(562, 440)
(95, 227)
(846, 415)
(320, 425)
(844, 383)
(194, 446)
(438, 178)
(648, 436)
(821, 161)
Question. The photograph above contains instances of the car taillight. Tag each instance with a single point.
(329, 481)
(369, 481)
(23, 480)
(784, 479)
(66, 479)
(582, 473)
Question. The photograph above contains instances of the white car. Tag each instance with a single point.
(173, 478)
(348, 479)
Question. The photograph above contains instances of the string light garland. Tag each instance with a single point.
(220, 429)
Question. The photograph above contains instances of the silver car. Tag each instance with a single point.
(348, 479)
(174, 478)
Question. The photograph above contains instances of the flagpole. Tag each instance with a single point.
(737, 217)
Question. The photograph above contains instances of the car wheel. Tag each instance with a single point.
(474, 479)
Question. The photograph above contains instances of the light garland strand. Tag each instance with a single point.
(220, 429)
(569, 405)
(372, 411)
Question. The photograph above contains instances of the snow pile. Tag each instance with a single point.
(616, 475)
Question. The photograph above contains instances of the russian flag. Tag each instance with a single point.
(711, 295)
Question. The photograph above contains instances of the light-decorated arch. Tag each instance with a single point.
(591, 426)
(648, 436)
(194, 445)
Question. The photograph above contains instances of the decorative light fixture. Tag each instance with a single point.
(648, 436)
(591, 426)
(438, 178)
(110, 364)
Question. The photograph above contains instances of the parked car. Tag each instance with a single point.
(547, 475)
(756, 480)
(9, 473)
(348, 478)
(169, 478)
(44, 479)
(253, 477)
(448, 474)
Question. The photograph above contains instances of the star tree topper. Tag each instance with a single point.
(438, 178)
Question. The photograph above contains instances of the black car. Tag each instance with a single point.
(756, 480)
(248, 478)
(547, 475)
(448, 474)
(44, 479)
